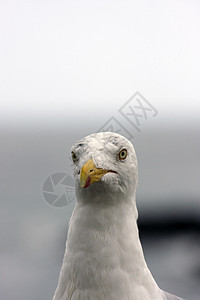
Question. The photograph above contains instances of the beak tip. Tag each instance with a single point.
(85, 184)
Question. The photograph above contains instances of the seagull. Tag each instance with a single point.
(104, 259)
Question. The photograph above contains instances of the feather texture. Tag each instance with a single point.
(104, 257)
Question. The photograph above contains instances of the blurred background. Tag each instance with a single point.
(66, 70)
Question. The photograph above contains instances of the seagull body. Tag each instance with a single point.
(104, 257)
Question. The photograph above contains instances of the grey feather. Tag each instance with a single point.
(171, 297)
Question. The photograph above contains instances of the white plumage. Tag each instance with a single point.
(104, 257)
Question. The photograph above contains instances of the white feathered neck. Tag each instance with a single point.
(104, 257)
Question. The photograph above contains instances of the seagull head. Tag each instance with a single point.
(104, 162)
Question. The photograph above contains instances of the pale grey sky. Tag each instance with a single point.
(65, 58)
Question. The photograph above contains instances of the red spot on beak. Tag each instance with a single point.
(87, 182)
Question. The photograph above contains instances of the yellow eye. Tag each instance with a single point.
(122, 154)
(74, 157)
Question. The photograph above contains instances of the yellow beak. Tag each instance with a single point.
(90, 174)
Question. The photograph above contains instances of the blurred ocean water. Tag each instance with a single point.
(33, 233)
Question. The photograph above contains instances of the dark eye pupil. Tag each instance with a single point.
(73, 156)
(123, 154)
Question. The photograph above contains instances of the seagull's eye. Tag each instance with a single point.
(122, 154)
(74, 157)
